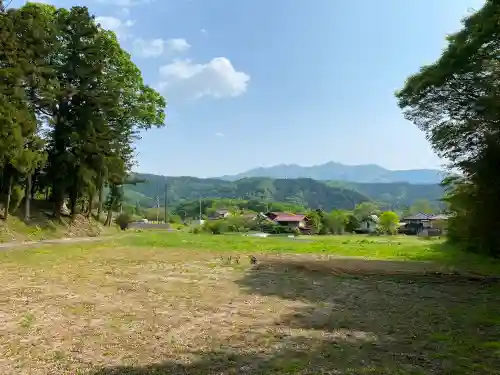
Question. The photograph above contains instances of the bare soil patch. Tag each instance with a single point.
(117, 310)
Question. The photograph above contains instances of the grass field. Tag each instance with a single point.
(158, 303)
(404, 248)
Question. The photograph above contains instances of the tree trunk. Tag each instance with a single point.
(90, 206)
(99, 205)
(34, 183)
(107, 223)
(73, 197)
(8, 197)
(27, 198)
(57, 196)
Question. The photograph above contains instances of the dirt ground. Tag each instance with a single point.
(116, 311)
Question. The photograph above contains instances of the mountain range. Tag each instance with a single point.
(333, 171)
(305, 192)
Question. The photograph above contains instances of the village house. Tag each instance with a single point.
(287, 219)
(423, 224)
(220, 214)
(368, 224)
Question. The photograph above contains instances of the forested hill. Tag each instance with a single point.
(306, 192)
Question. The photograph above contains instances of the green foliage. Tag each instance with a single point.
(365, 209)
(352, 224)
(216, 226)
(17, 197)
(455, 101)
(396, 195)
(123, 220)
(388, 222)
(62, 71)
(266, 194)
(153, 214)
(260, 194)
(191, 209)
(316, 221)
(338, 221)
(421, 205)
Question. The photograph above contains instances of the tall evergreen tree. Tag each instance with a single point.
(62, 72)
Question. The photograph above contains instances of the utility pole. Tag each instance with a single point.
(200, 209)
(157, 209)
(165, 201)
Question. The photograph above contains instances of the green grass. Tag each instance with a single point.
(166, 303)
(405, 248)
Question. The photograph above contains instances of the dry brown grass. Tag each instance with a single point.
(115, 310)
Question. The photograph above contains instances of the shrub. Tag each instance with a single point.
(236, 224)
(388, 223)
(352, 224)
(216, 226)
(123, 220)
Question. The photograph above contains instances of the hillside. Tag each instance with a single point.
(339, 172)
(396, 194)
(43, 226)
(305, 192)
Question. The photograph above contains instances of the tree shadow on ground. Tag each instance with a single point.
(367, 324)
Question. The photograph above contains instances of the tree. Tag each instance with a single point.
(25, 40)
(456, 102)
(338, 220)
(422, 205)
(101, 106)
(72, 105)
(315, 220)
(365, 209)
(353, 223)
(388, 222)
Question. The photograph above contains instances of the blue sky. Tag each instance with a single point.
(262, 82)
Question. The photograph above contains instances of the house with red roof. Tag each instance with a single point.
(288, 219)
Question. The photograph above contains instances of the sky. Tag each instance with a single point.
(253, 83)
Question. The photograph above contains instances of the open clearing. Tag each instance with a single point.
(139, 306)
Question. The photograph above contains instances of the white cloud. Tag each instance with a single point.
(125, 12)
(218, 134)
(217, 78)
(203, 31)
(148, 48)
(109, 23)
(177, 45)
(115, 24)
(157, 47)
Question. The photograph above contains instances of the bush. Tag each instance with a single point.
(281, 229)
(123, 220)
(388, 223)
(237, 224)
(216, 226)
(352, 224)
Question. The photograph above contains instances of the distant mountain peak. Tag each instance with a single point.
(367, 173)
